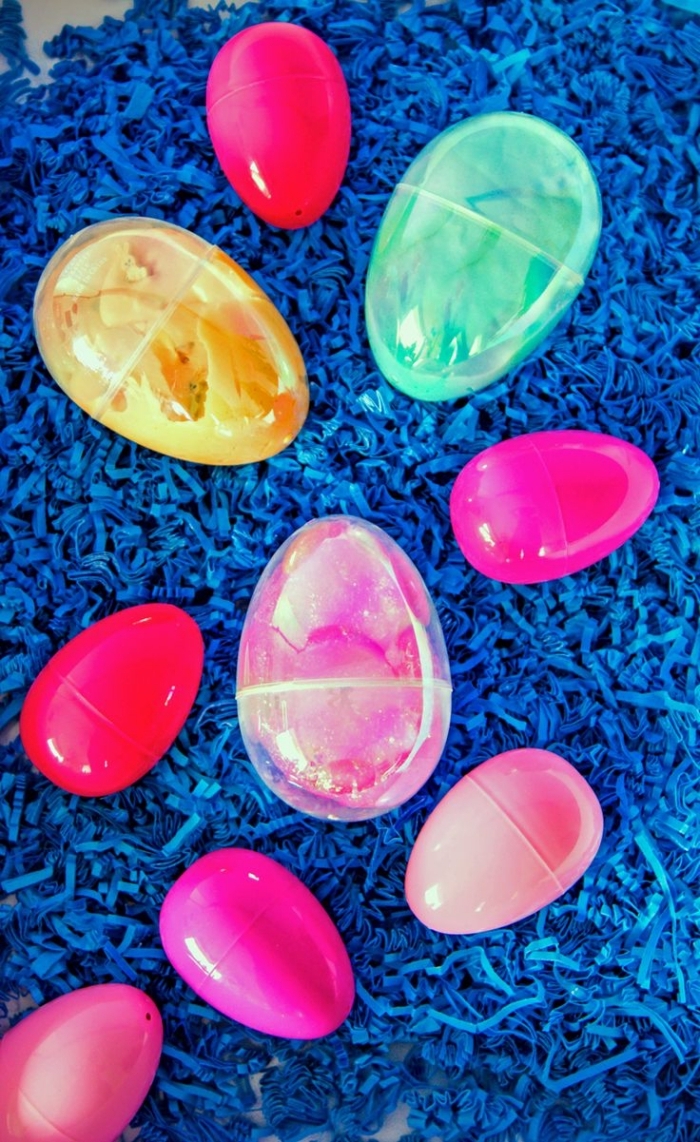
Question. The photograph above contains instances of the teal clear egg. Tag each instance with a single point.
(484, 245)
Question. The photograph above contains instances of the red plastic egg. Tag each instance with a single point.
(278, 112)
(112, 701)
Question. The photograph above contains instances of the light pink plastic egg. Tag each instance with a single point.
(78, 1068)
(510, 837)
(343, 691)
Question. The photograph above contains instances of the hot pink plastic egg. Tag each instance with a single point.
(344, 692)
(278, 113)
(548, 504)
(78, 1068)
(250, 938)
(510, 837)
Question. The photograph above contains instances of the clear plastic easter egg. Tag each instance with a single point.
(343, 686)
(484, 244)
(161, 337)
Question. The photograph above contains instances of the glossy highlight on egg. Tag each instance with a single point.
(252, 940)
(343, 685)
(78, 1068)
(278, 113)
(510, 837)
(164, 339)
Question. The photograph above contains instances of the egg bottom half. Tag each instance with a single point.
(348, 749)
(454, 300)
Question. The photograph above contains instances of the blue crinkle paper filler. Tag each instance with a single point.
(581, 1023)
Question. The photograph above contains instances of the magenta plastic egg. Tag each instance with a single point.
(547, 504)
(252, 941)
(510, 837)
(278, 112)
(343, 689)
(78, 1068)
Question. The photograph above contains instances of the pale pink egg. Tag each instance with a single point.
(513, 835)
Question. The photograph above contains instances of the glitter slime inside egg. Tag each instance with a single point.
(161, 337)
(344, 691)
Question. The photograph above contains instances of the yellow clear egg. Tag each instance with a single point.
(163, 338)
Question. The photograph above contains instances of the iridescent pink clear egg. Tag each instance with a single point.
(343, 687)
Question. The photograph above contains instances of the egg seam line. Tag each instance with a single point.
(553, 486)
(341, 684)
(150, 755)
(259, 83)
(483, 221)
(244, 931)
(40, 1114)
(518, 831)
(160, 322)
(237, 939)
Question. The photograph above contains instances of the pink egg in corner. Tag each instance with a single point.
(547, 504)
(252, 940)
(78, 1068)
(343, 685)
(510, 837)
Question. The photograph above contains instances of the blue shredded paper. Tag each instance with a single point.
(582, 1023)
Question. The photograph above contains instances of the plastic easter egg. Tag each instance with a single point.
(164, 339)
(78, 1068)
(484, 245)
(111, 702)
(252, 941)
(278, 113)
(509, 838)
(344, 692)
(546, 504)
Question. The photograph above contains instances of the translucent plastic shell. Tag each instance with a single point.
(344, 691)
(164, 339)
(484, 245)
